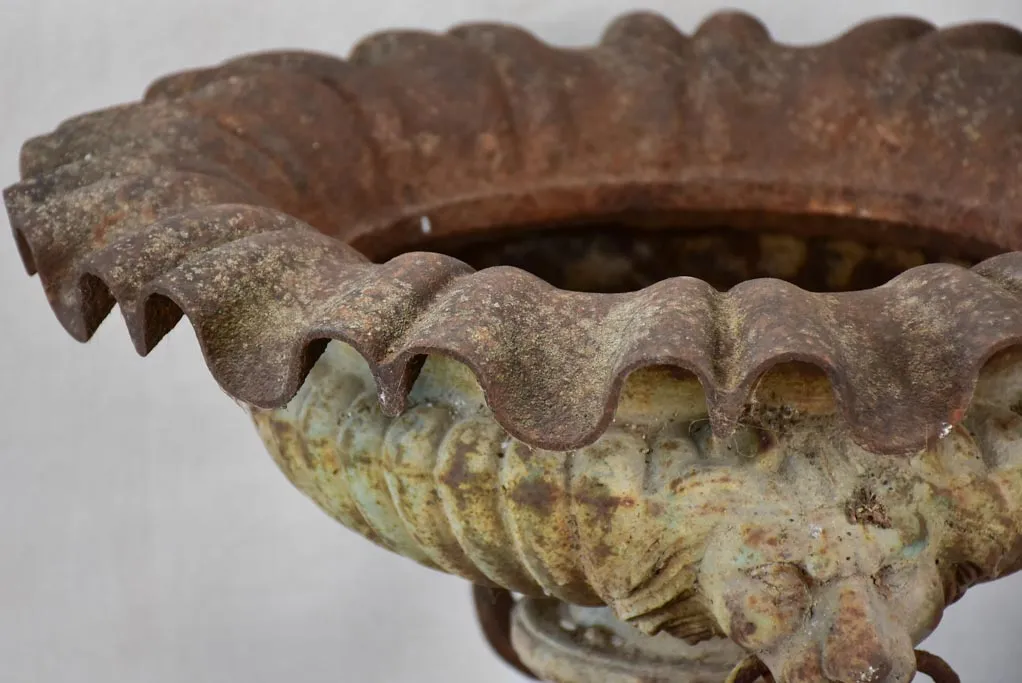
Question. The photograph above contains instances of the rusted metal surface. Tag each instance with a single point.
(705, 463)
(614, 258)
(493, 609)
(249, 195)
(749, 670)
(936, 668)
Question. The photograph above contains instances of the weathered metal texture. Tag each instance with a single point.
(569, 644)
(752, 669)
(936, 668)
(615, 258)
(494, 607)
(826, 561)
(559, 443)
(249, 196)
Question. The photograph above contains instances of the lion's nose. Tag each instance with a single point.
(863, 643)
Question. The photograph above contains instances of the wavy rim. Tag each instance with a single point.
(183, 211)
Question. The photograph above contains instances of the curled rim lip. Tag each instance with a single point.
(200, 201)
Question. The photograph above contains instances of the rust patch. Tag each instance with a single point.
(767, 605)
(605, 505)
(854, 648)
(807, 668)
(229, 215)
(602, 552)
(741, 630)
(457, 474)
(537, 494)
(216, 199)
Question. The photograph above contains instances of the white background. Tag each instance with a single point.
(144, 534)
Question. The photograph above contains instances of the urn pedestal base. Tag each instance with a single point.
(568, 644)
(549, 640)
(561, 643)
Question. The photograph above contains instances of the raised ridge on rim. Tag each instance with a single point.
(241, 196)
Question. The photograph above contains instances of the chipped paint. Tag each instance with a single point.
(809, 545)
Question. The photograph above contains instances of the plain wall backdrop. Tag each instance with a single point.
(145, 536)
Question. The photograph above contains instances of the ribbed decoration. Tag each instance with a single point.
(251, 197)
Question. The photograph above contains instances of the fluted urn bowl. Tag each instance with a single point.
(715, 336)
